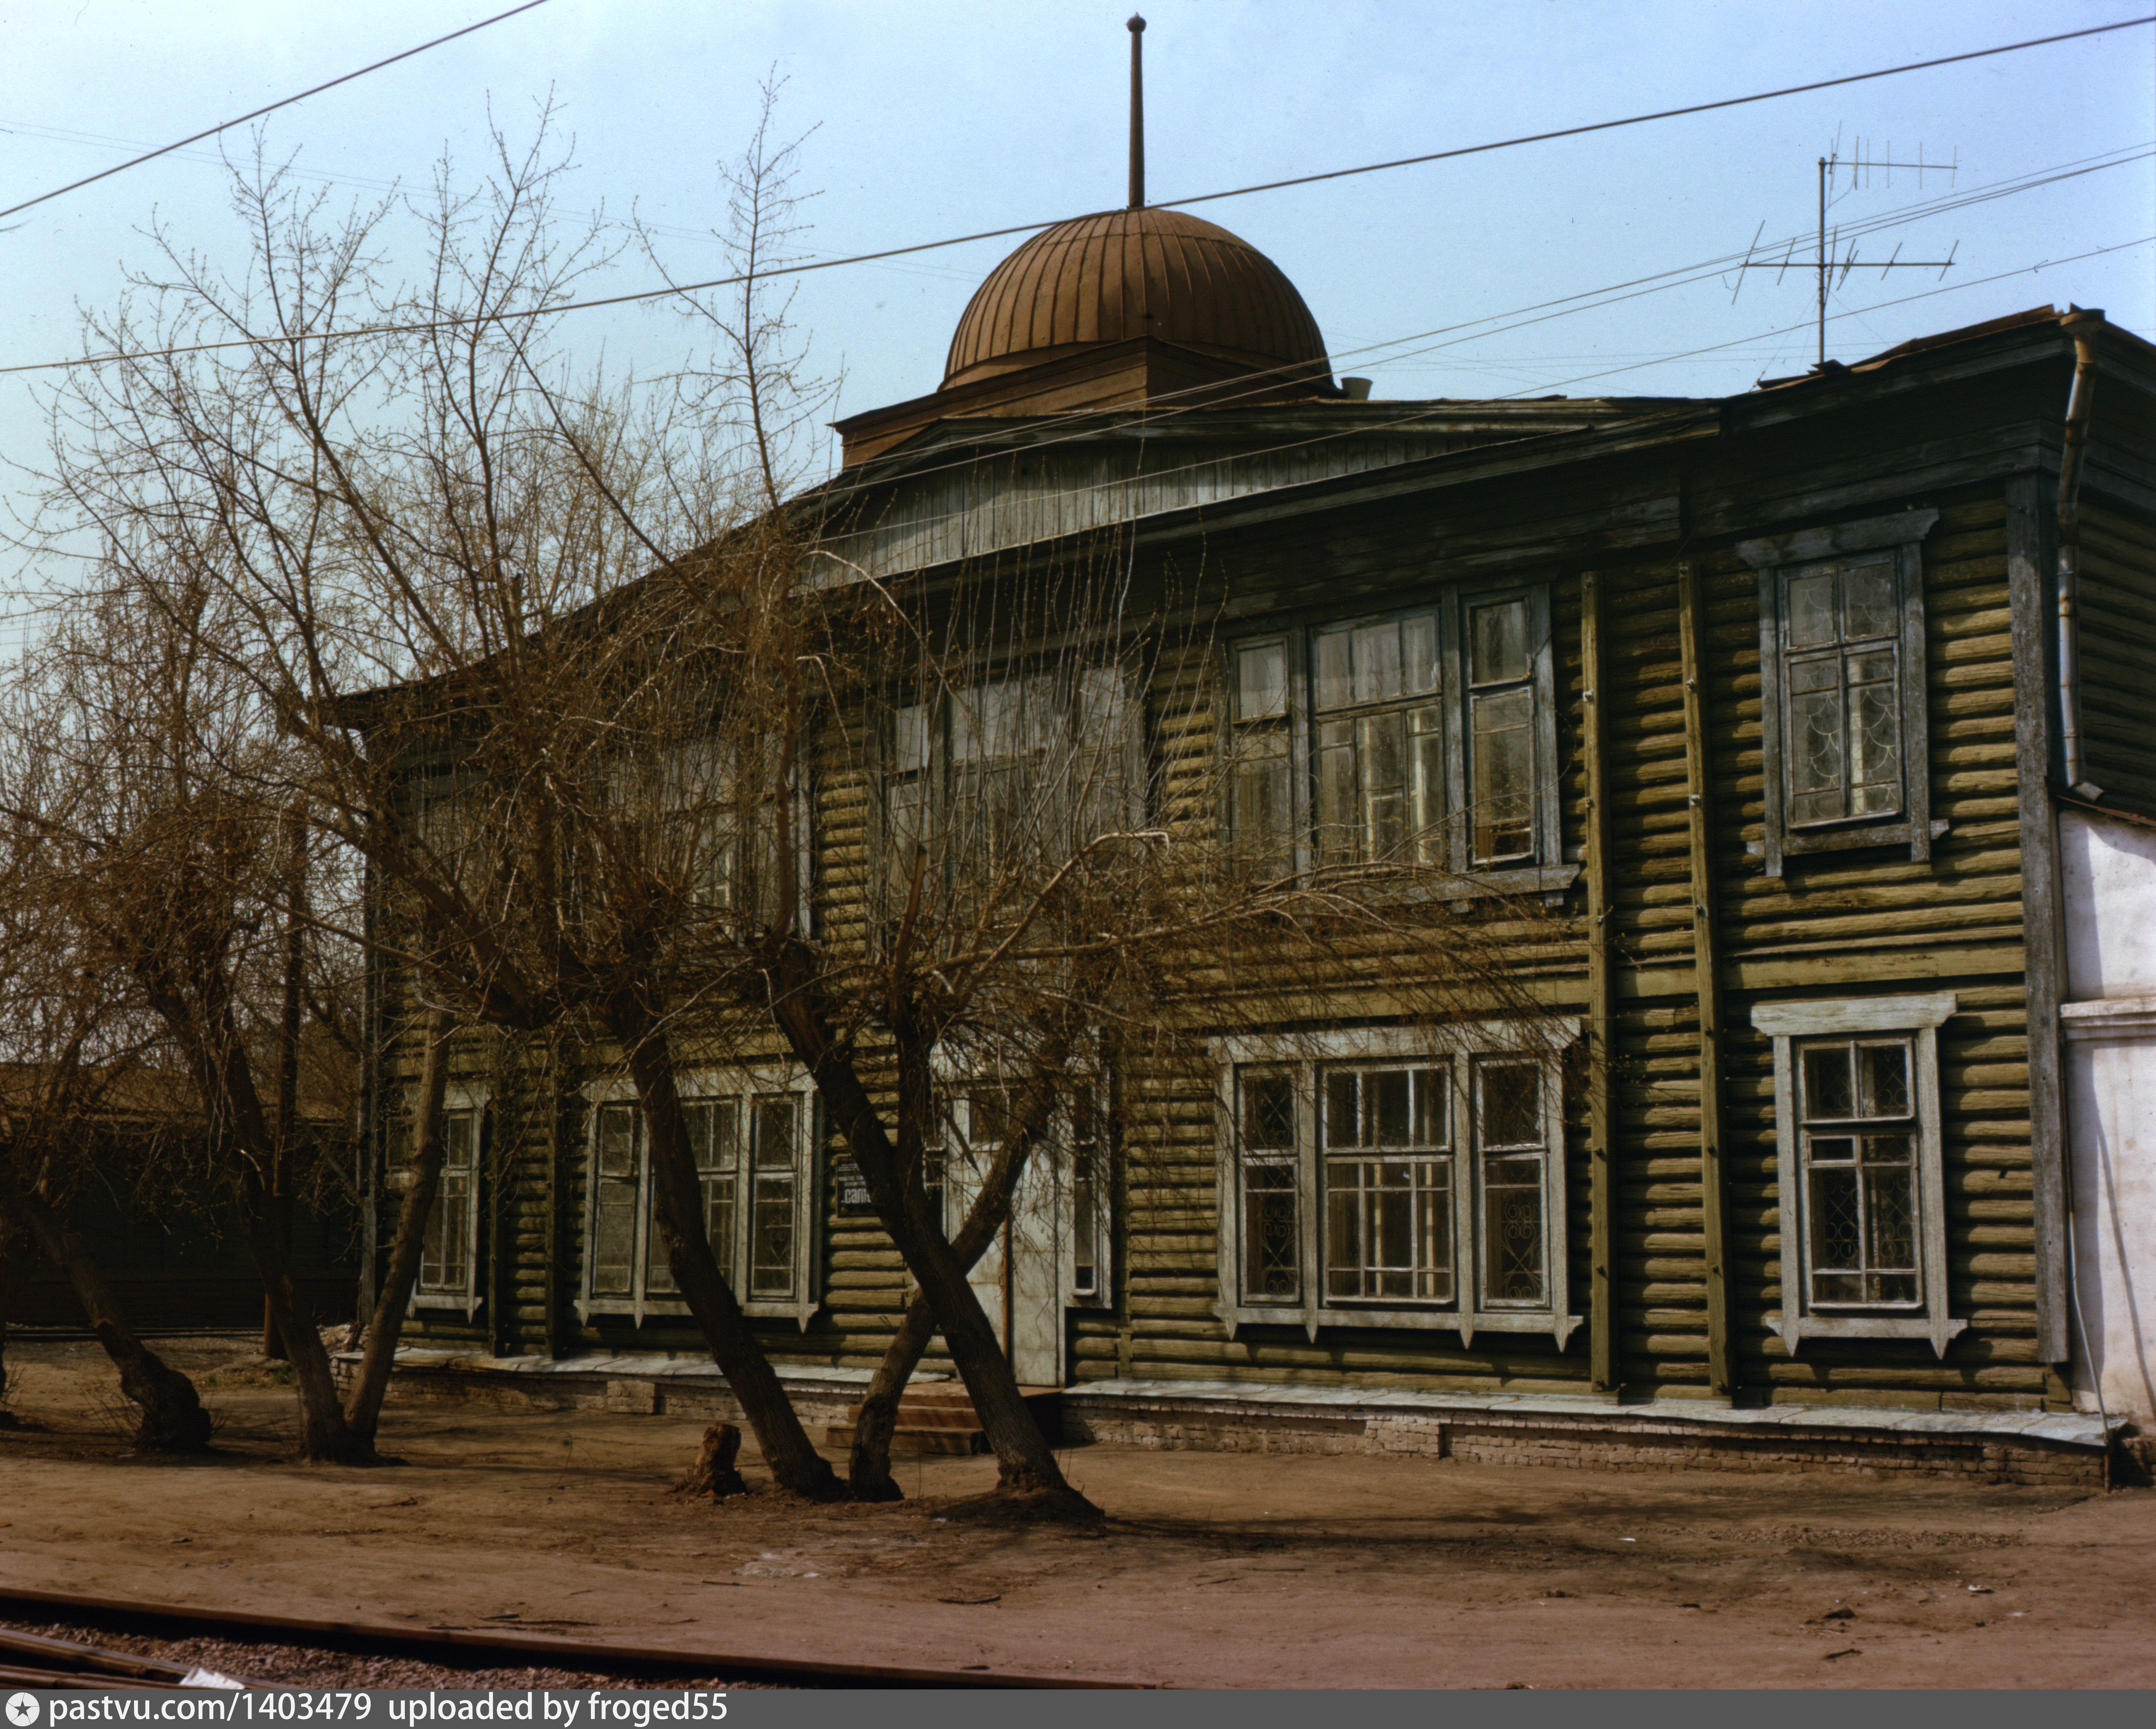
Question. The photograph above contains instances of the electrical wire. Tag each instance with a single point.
(1083, 423)
(211, 132)
(674, 290)
(1794, 89)
(1420, 411)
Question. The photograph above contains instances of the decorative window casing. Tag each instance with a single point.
(1425, 737)
(752, 1138)
(1844, 731)
(449, 1250)
(1396, 1176)
(1011, 770)
(1861, 1169)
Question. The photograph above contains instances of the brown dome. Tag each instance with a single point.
(1135, 273)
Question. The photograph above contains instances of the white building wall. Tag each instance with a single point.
(2109, 1024)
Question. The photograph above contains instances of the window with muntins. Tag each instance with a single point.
(448, 1252)
(1860, 1167)
(1424, 739)
(1844, 722)
(751, 1153)
(1010, 775)
(1378, 1178)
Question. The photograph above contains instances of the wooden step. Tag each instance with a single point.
(940, 1418)
(906, 1442)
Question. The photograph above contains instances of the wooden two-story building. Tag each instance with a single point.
(1759, 698)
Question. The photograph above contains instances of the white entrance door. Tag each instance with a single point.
(1023, 1278)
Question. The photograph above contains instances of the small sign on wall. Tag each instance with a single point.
(850, 1191)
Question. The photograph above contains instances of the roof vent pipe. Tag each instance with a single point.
(2081, 327)
(1356, 390)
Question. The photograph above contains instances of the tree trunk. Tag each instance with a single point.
(325, 1437)
(1026, 1463)
(868, 1467)
(172, 1420)
(201, 1019)
(791, 1455)
(371, 1385)
(18, 1259)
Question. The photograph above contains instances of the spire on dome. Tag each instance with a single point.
(1136, 27)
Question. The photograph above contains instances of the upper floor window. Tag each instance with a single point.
(1003, 778)
(1844, 720)
(1861, 1167)
(749, 1141)
(1394, 1177)
(1424, 738)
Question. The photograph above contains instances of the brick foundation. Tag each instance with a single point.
(1612, 1439)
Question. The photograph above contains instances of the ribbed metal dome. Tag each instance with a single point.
(1134, 273)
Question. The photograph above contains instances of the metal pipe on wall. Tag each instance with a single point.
(2080, 325)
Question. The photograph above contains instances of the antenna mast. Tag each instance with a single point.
(1827, 259)
(1137, 112)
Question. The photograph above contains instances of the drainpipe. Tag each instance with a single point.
(2081, 327)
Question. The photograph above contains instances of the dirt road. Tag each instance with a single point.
(1215, 1570)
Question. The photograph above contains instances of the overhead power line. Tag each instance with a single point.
(673, 290)
(1605, 126)
(211, 132)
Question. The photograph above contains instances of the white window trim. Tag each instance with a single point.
(706, 1084)
(1546, 874)
(934, 775)
(1773, 555)
(1305, 1052)
(458, 1095)
(1920, 1017)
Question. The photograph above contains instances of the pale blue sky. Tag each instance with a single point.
(941, 118)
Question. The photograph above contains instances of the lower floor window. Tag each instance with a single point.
(1395, 1186)
(750, 1151)
(449, 1250)
(1861, 1167)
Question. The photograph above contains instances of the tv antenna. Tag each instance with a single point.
(1829, 259)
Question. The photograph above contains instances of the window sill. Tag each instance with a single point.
(1795, 1331)
(1550, 880)
(1810, 843)
(672, 1309)
(1467, 1324)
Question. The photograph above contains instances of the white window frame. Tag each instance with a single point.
(1459, 1048)
(640, 1303)
(1917, 1018)
(1543, 870)
(1777, 558)
(922, 756)
(457, 1100)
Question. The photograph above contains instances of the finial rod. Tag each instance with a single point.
(1137, 112)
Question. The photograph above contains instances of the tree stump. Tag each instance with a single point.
(713, 1473)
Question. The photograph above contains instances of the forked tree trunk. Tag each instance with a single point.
(791, 1456)
(325, 1437)
(201, 1019)
(371, 1385)
(172, 1419)
(1026, 1463)
(868, 1466)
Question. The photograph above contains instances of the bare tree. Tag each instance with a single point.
(639, 756)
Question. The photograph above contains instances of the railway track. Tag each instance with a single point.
(38, 1660)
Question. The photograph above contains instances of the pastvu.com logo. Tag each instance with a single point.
(22, 1710)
